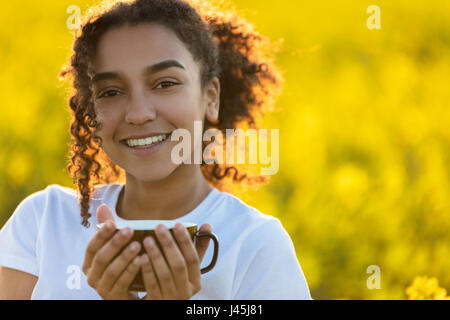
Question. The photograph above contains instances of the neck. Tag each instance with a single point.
(175, 196)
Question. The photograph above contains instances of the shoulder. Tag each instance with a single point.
(248, 219)
(50, 192)
(37, 200)
(50, 195)
(267, 264)
(53, 199)
(56, 192)
(40, 201)
(35, 208)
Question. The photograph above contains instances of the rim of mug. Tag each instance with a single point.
(148, 224)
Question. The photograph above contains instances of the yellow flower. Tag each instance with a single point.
(426, 288)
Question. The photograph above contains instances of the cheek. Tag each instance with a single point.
(108, 119)
(182, 110)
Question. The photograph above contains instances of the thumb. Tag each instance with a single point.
(104, 213)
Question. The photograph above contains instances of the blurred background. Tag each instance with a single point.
(364, 134)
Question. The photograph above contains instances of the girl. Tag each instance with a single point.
(142, 69)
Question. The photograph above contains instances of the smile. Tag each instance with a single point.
(146, 146)
(146, 142)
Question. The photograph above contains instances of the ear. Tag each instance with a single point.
(212, 100)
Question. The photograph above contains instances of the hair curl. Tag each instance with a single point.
(224, 44)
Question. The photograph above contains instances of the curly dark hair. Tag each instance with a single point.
(224, 44)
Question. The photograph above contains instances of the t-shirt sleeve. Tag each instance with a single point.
(18, 237)
(273, 270)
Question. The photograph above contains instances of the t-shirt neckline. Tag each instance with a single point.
(203, 208)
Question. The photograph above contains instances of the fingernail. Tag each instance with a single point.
(149, 241)
(126, 231)
(134, 246)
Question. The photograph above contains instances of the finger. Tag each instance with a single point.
(203, 243)
(104, 213)
(103, 216)
(98, 240)
(175, 260)
(116, 268)
(190, 255)
(107, 253)
(160, 268)
(126, 278)
(150, 281)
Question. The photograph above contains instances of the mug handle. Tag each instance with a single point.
(213, 237)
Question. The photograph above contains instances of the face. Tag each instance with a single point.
(147, 83)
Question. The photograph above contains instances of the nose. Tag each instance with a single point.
(140, 109)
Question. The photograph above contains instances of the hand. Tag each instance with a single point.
(178, 276)
(110, 276)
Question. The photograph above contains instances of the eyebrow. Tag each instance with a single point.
(111, 75)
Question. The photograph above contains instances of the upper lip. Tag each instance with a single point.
(146, 135)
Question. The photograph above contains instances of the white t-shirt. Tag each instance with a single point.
(256, 260)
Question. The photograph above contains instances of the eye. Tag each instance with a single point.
(108, 94)
(166, 84)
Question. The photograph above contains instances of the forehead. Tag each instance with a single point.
(129, 48)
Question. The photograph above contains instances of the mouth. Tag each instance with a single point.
(145, 142)
(147, 145)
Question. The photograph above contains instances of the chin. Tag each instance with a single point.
(153, 174)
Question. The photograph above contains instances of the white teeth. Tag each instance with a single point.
(145, 141)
